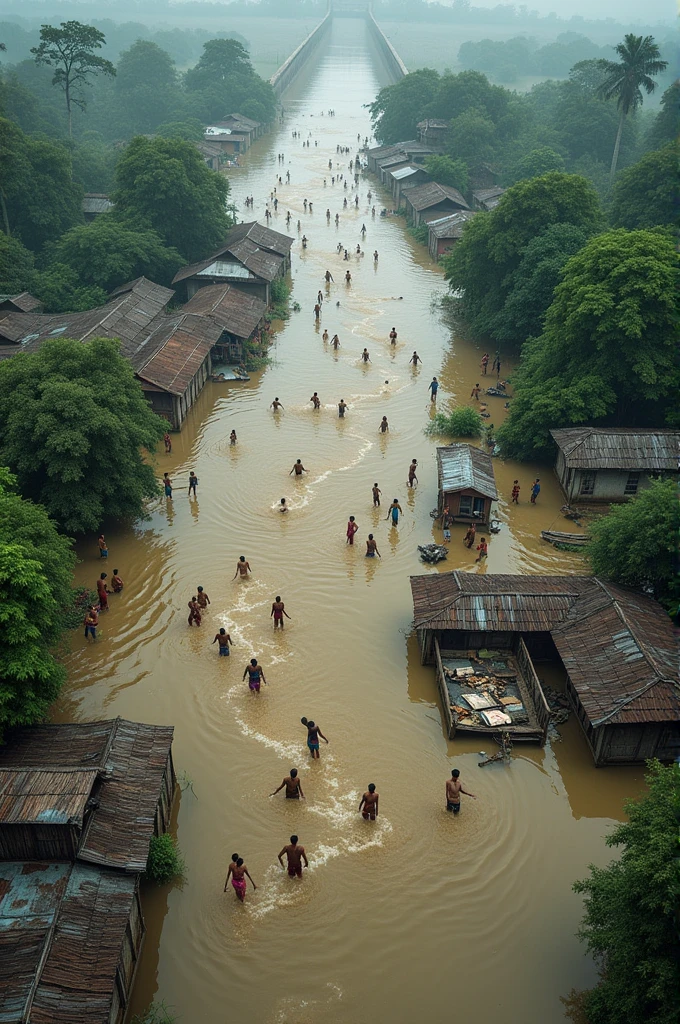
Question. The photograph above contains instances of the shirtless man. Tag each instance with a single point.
(335, 342)
(313, 735)
(342, 405)
(295, 855)
(369, 803)
(242, 568)
(298, 469)
(324, 336)
(276, 405)
(372, 547)
(293, 786)
(328, 276)
(384, 425)
(475, 393)
(376, 495)
(315, 400)
(365, 356)
(317, 311)
(278, 611)
(393, 336)
(415, 359)
(238, 872)
(224, 640)
(454, 787)
(412, 478)
(194, 612)
(202, 598)
(348, 277)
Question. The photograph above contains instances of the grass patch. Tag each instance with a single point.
(165, 862)
(158, 1013)
(462, 422)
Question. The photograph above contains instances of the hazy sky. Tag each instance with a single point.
(621, 10)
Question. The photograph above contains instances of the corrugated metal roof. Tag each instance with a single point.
(463, 466)
(130, 756)
(618, 646)
(618, 448)
(62, 929)
(451, 226)
(44, 797)
(432, 122)
(234, 310)
(174, 349)
(482, 195)
(259, 249)
(431, 193)
(227, 269)
(406, 172)
(96, 202)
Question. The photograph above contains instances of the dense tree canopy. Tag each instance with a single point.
(482, 266)
(147, 87)
(644, 195)
(448, 172)
(16, 265)
(636, 543)
(73, 426)
(630, 923)
(107, 253)
(608, 350)
(36, 565)
(164, 185)
(397, 109)
(224, 81)
(535, 163)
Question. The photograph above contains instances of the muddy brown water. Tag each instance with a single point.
(417, 915)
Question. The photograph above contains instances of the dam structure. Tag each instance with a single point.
(303, 56)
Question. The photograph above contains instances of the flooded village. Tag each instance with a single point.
(402, 566)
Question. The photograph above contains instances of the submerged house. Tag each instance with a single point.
(79, 805)
(616, 647)
(467, 484)
(403, 178)
(443, 233)
(251, 257)
(613, 463)
(431, 201)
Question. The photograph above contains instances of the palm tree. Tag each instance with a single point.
(639, 61)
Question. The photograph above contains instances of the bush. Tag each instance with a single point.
(421, 234)
(165, 861)
(462, 422)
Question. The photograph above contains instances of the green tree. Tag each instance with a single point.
(36, 567)
(69, 49)
(481, 264)
(608, 349)
(644, 194)
(472, 138)
(147, 88)
(221, 60)
(639, 61)
(38, 199)
(535, 163)
(636, 543)
(164, 185)
(665, 127)
(73, 426)
(630, 923)
(16, 266)
(396, 110)
(468, 90)
(61, 290)
(107, 253)
(225, 81)
(190, 129)
(533, 283)
(448, 172)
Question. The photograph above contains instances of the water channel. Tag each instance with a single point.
(417, 915)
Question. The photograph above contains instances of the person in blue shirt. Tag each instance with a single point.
(535, 490)
(393, 511)
(434, 385)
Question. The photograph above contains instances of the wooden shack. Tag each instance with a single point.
(487, 199)
(616, 647)
(613, 463)
(445, 232)
(431, 201)
(467, 484)
(79, 805)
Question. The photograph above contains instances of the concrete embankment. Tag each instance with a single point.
(292, 67)
(393, 61)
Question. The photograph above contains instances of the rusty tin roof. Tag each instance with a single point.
(465, 467)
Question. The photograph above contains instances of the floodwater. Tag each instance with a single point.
(417, 915)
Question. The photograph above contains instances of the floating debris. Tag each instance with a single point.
(432, 553)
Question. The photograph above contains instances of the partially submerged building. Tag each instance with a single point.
(466, 482)
(444, 232)
(404, 177)
(430, 201)
(413, 150)
(79, 805)
(251, 257)
(613, 463)
(616, 647)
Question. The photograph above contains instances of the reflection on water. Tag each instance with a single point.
(393, 910)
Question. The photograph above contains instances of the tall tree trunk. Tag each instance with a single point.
(617, 146)
(5, 218)
(70, 120)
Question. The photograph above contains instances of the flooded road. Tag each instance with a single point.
(416, 915)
